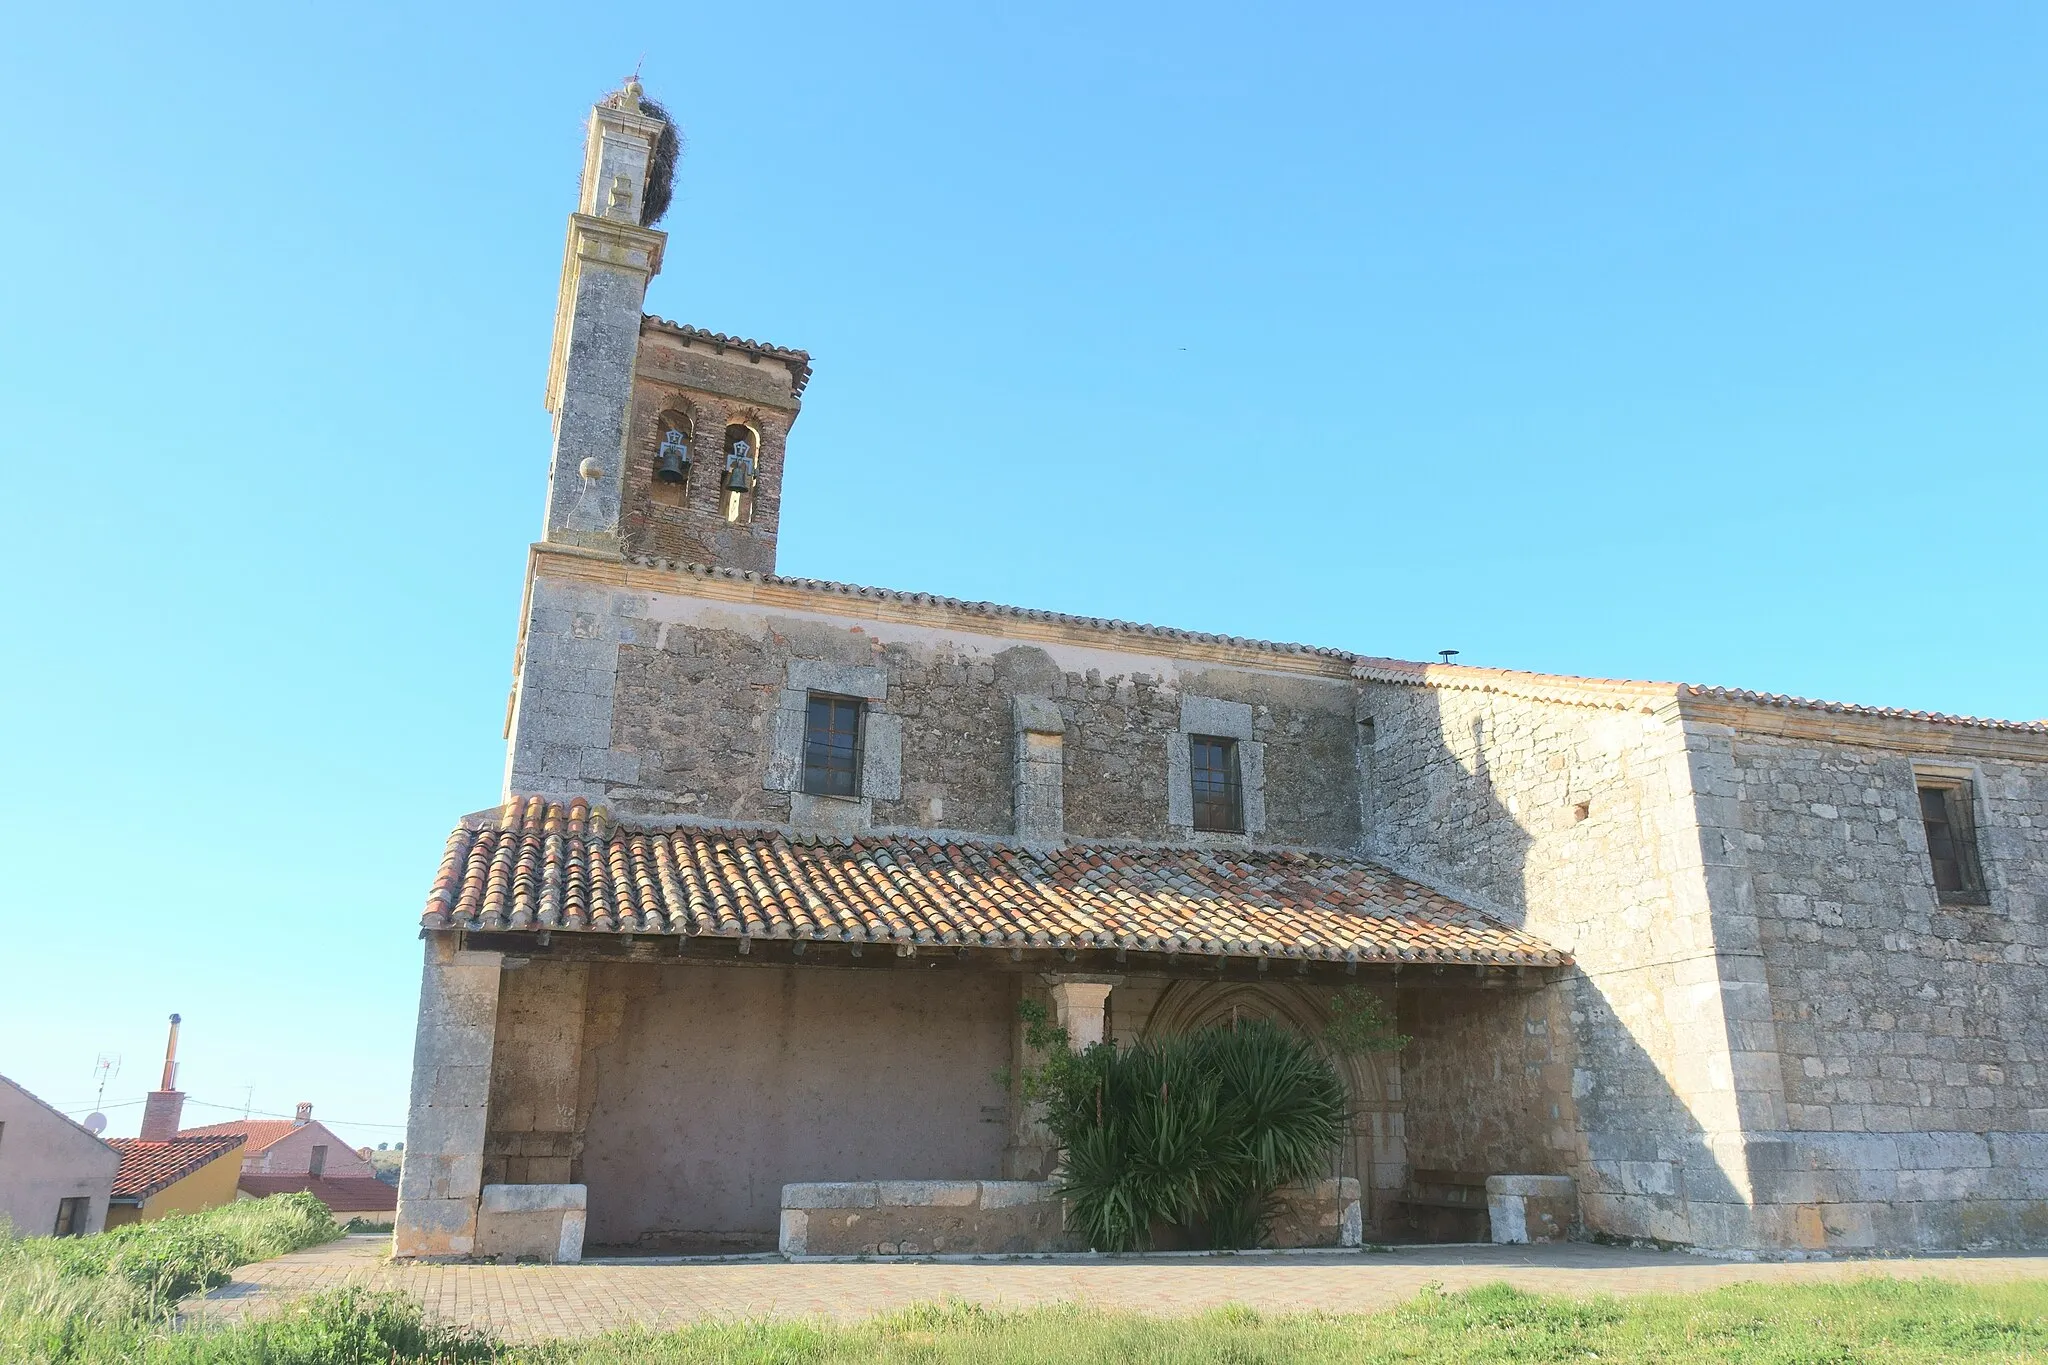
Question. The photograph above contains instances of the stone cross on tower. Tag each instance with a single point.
(609, 259)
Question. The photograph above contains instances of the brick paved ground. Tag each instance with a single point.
(535, 1302)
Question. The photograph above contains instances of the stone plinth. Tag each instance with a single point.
(923, 1217)
(1319, 1213)
(531, 1223)
(1532, 1208)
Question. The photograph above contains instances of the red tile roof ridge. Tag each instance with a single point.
(147, 1167)
(928, 887)
(260, 1133)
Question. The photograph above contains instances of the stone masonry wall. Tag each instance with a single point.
(535, 1132)
(1487, 1079)
(1913, 1041)
(665, 705)
(1593, 827)
(1897, 1013)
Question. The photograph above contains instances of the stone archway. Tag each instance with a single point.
(1377, 1155)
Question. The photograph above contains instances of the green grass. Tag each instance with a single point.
(97, 1301)
(104, 1297)
(1874, 1320)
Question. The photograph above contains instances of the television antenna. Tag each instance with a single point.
(104, 1068)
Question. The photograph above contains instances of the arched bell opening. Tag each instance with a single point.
(674, 434)
(742, 472)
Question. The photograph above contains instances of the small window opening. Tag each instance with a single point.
(317, 1163)
(1218, 794)
(832, 749)
(674, 433)
(1946, 814)
(742, 468)
(71, 1216)
(1582, 811)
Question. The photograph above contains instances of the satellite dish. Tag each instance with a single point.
(95, 1123)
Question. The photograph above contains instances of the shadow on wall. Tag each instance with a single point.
(1552, 819)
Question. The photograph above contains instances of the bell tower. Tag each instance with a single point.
(612, 252)
(669, 440)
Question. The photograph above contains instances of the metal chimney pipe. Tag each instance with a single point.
(171, 1058)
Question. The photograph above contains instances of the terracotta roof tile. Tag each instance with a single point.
(147, 1167)
(2037, 727)
(343, 1194)
(259, 1133)
(542, 865)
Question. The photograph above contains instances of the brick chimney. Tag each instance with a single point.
(303, 1117)
(165, 1107)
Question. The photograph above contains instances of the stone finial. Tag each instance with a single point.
(629, 95)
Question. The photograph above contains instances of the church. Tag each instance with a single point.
(736, 962)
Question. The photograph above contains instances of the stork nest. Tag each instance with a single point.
(661, 174)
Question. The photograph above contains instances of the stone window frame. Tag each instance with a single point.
(1221, 719)
(1961, 785)
(833, 702)
(881, 767)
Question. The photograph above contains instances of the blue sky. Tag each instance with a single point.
(1592, 338)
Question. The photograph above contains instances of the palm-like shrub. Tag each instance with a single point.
(1197, 1132)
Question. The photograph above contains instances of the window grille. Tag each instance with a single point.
(1218, 795)
(1945, 813)
(832, 749)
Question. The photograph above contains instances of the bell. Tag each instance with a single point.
(739, 477)
(672, 465)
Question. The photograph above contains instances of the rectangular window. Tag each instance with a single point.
(318, 1164)
(1219, 797)
(71, 1216)
(832, 746)
(1945, 812)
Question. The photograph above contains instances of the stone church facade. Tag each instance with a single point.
(741, 952)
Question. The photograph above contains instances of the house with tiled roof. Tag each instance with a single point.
(744, 936)
(287, 1156)
(160, 1177)
(55, 1175)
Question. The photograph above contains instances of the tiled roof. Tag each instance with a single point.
(2036, 727)
(799, 362)
(927, 599)
(259, 1133)
(340, 1193)
(1625, 693)
(544, 865)
(147, 1167)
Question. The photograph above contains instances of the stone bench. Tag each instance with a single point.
(999, 1217)
(1532, 1208)
(923, 1217)
(531, 1222)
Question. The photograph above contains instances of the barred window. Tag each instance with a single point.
(1219, 797)
(1952, 842)
(832, 746)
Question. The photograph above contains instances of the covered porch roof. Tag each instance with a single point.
(540, 865)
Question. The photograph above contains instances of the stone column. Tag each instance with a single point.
(1081, 1006)
(442, 1179)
